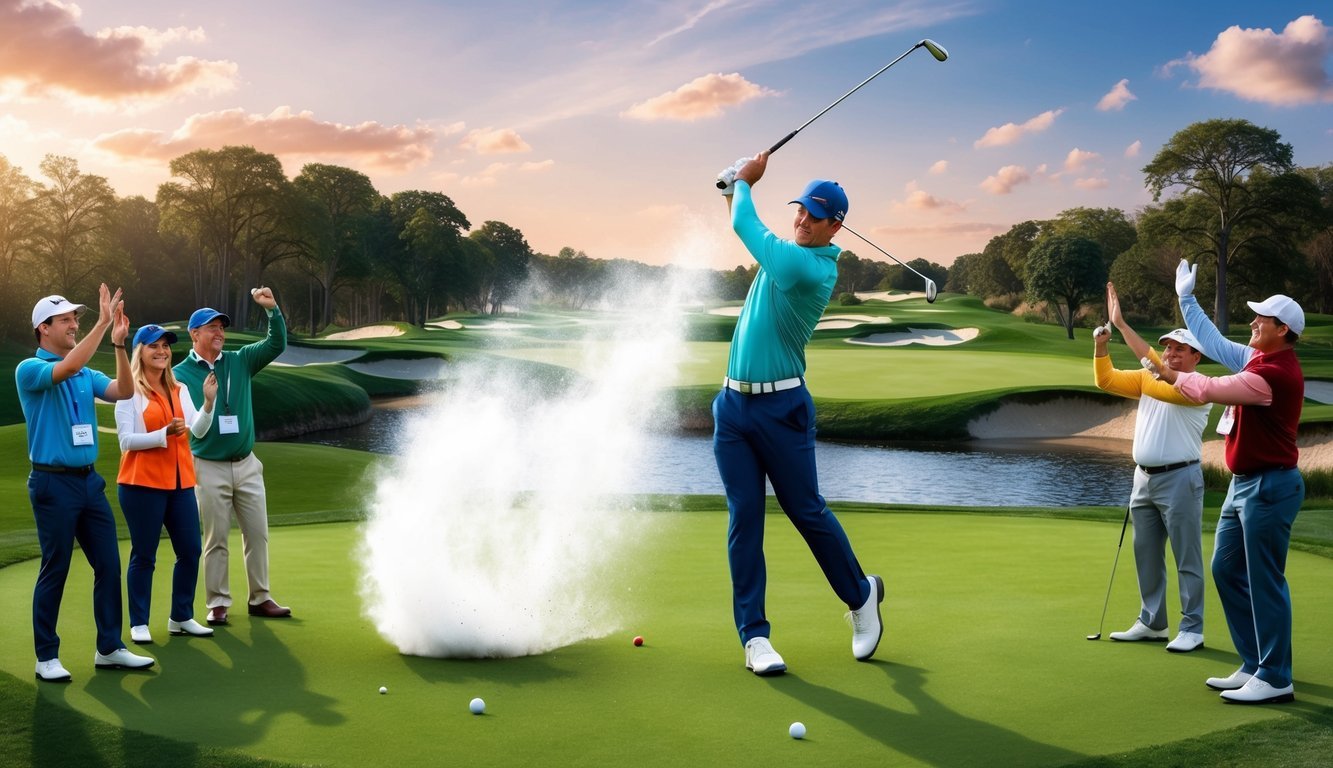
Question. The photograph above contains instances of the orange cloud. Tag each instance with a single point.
(919, 200)
(1116, 99)
(46, 53)
(1133, 149)
(1005, 179)
(282, 132)
(1092, 182)
(939, 166)
(704, 96)
(494, 141)
(1079, 158)
(1012, 132)
(1284, 69)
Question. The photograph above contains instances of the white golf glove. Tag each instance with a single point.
(1102, 330)
(726, 180)
(1185, 278)
(1151, 367)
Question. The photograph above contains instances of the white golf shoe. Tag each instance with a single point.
(1140, 631)
(1185, 642)
(867, 624)
(1237, 679)
(52, 671)
(761, 659)
(188, 627)
(1256, 691)
(140, 635)
(121, 658)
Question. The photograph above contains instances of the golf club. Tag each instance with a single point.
(1114, 563)
(935, 49)
(931, 290)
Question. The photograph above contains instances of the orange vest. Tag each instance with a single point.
(160, 467)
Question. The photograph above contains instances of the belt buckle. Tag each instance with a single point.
(745, 387)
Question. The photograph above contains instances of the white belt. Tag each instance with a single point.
(761, 387)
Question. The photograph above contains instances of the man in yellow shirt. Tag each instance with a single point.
(1167, 500)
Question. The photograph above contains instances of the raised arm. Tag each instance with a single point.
(1137, 345)
(1216, 346)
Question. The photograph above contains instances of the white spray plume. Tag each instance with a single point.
(497, 531)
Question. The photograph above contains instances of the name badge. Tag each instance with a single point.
(83, 434)
(1227, 421)
(229, 425)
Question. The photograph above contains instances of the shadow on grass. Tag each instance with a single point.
(926, 731)
(516, 671)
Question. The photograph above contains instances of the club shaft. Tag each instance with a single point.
(881, 250)
(1114, 563)
(881, 71)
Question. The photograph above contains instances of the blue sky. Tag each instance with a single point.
(601, 125)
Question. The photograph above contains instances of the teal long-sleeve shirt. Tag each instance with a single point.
(236, 370)
(786, 299)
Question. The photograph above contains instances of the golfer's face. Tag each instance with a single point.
(63, 331)
(1180, 357)
(1266, 333)
(813, 232)
(208, 338)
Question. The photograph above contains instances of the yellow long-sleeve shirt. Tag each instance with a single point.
(1169, 426)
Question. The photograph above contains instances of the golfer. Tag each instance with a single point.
(1263, 400)
(1167, 500)
(68, 496)
(764, 416)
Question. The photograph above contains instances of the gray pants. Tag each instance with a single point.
(1169, 505)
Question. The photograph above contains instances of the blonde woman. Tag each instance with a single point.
(156, 481)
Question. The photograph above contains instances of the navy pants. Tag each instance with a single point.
(773, 435)
(69, 508)
(1249, 569)
(146, 511)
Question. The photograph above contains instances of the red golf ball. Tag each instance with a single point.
(638, 639)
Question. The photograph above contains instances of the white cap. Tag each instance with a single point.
(1284, 308)
(51, 306)
(1183, 336)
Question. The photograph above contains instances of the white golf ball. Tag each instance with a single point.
(254, 291)
(383, 690)
(477, 706)
(797, 730)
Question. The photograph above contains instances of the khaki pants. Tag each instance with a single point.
(224, 488)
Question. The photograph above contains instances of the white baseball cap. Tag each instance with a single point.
(1183, 336)
(53, 305)
(1284, 308)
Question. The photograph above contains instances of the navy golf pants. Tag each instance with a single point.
(70, 507)
(773, 435)
(147, 511)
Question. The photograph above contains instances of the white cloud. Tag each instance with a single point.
(1116, 99)
(1005, 179)
(939, 167)
(704, 96)
(494, 141)
(1284, 69)
(1077, 159)
(1133, 149)
(1011, 132)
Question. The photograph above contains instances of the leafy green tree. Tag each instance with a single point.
(73, 215)
(18, 221)
(343, 200)
(1066, 272)
(1218, 159)
(1014, 246)
(958, 278)
(158, 287)
(430, 261)
(508, 264)
(1318, 248)
(1108, 227)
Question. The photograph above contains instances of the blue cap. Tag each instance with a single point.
(202, 317)
(824, 199)
(151, 333)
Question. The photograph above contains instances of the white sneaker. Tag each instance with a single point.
(1238, 679)
(867, 625)
(121, 658)
(1256, 691)
(1140, 631)
(761, 659)
(1185, 642)
(188, 627)
(139, 634)
(52, 671)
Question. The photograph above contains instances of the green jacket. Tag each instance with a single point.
(235, 369)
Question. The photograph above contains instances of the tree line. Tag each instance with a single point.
(1255, 223)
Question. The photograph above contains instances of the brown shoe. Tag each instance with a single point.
(217, 616)
(270, 610)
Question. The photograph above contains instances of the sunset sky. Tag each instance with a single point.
(600, 125)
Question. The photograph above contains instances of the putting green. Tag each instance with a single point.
(984, 662)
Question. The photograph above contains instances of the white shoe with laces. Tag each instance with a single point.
(761, 659)
(1140, 631)
(140, 635)
(1185, 642)
(1256, 691)
(1237, 679)
(867, 624)
(52, 671)
(121, 658)
(188, 627)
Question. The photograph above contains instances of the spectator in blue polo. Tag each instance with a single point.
(229, 478)
(56, 392)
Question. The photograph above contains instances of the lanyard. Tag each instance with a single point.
(69, 395)
(224, 383)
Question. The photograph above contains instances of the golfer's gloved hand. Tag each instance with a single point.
(1102, 330)
(727, 178)
(1151, 367)
(1185, 275)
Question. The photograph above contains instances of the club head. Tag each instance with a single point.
(931, 291)
(935, 49)
(1097, 636)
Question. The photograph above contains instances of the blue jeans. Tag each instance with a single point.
(66, 508)
(773, 435)
(146, 511)
(1249, 569)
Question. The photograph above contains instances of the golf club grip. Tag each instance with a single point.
(785, 139)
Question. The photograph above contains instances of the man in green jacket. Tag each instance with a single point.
(229, 479)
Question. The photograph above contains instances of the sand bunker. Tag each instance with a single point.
(1058, 418)
(933, 337)
(448, 325)
(887, 296)
(841, 322)
(298, 355)
(368, 332)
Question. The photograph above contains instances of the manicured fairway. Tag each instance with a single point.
(984, 662)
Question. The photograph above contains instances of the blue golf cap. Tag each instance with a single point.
(206, 315)
(151, 333)
(824, 199)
